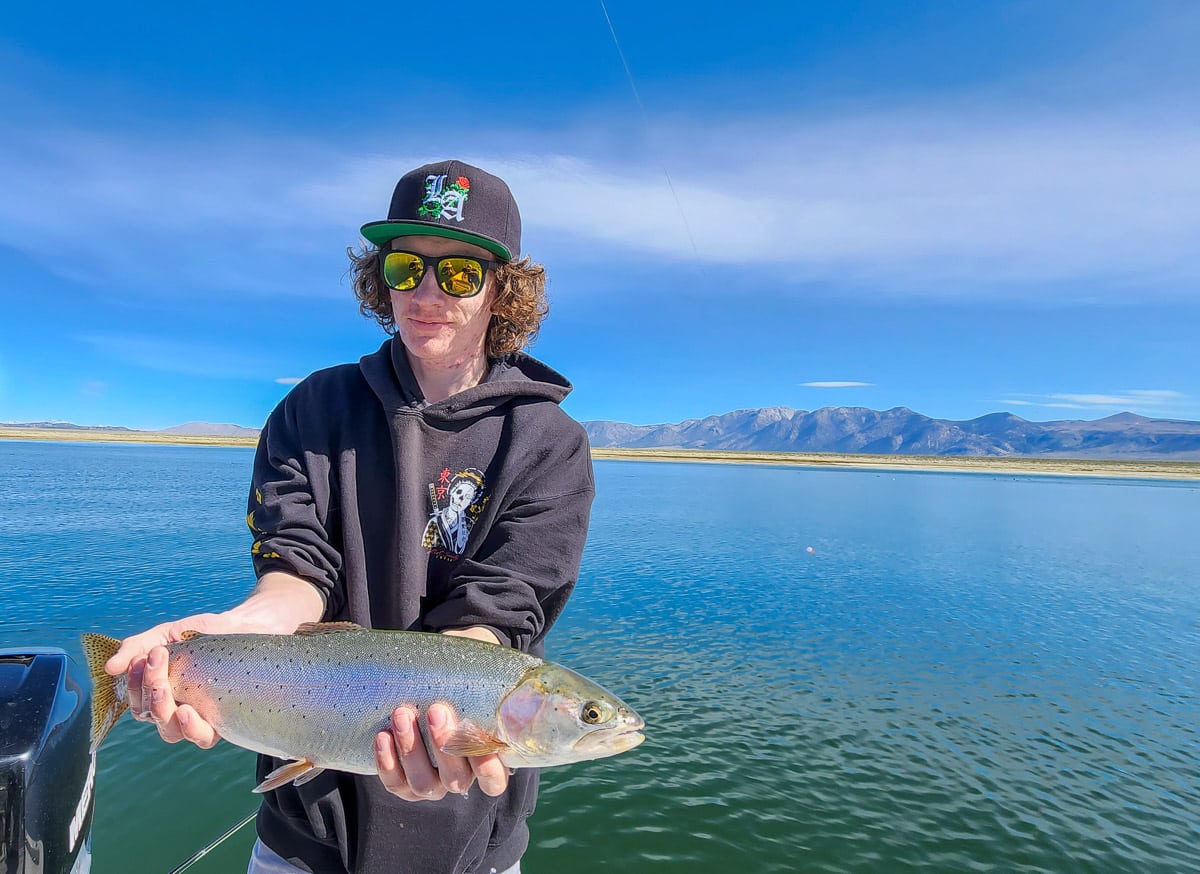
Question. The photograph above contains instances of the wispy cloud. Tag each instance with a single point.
(1134, 397)
(913, 197)
(835, 384)
(289, 380)
(1160, 401)
(944, 199)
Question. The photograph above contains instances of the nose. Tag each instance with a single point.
(427, 290)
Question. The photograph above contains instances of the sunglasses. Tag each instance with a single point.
(456, 275)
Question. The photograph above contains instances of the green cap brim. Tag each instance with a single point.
(380, 233)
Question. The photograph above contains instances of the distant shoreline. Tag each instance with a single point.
(1015, 465)
(101, 435)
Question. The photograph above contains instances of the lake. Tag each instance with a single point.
(967, 672)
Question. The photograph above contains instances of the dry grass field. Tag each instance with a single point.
(1181, 470)
(100, 435)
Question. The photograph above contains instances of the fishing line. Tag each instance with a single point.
(200, 854)
(646, 123)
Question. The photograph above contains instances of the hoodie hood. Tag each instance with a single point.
(514, 377)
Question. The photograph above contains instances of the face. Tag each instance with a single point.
(461, 495)
(436, 328)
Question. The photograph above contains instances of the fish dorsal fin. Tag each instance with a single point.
(300, 771)
(327, 627)
(471, 740)
(189, 634)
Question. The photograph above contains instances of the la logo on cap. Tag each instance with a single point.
(444, 201)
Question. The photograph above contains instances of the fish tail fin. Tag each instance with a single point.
(108, 701)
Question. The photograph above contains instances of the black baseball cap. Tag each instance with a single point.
(455, 200)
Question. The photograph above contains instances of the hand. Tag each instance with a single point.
(405, 768)
(151, 699)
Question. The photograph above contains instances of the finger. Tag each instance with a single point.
(134, 647)
(194, 728)
(418, 770)
(491, 773)
(134, 686)
(387, 762)
(120, 661)
(158, 697)
(454, 771)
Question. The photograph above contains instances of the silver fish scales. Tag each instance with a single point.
(320, 696)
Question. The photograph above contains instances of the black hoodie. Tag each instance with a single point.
(407, 515)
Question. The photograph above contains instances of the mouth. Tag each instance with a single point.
(610, 741)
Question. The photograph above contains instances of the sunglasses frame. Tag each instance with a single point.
(434, 261)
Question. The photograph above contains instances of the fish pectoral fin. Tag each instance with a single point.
(471, 740)
(300, 771)
(327, 627)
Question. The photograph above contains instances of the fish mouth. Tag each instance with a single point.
(610, 741)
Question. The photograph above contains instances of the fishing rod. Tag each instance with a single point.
(646, 124)
(200, 854)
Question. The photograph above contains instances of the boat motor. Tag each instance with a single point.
(47, 771)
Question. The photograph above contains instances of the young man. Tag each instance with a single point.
(435, 485)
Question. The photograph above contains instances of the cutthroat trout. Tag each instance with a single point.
(318, 697)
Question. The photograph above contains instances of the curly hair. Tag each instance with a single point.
(518, 309)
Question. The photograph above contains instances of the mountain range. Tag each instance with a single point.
(900, 431)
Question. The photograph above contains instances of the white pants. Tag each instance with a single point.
(264, 860)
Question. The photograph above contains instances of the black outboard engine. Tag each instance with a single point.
(47, 772)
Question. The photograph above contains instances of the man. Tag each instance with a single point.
(448, 424)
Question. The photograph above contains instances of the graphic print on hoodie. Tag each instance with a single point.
(457, 501)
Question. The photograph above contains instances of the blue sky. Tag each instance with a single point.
(955, 207)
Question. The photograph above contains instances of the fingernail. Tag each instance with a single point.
(436, 717)
(155, 694)
(154, 660)
(404, 736)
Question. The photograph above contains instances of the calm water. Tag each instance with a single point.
(968, 673)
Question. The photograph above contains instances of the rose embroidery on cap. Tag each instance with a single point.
(444, 201)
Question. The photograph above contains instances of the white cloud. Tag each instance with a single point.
(289, 380)
(1155, 401)
(934, 200)
(835, 384)
(1133, 397)
(909, 197)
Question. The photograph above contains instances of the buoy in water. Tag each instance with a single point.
(810, 550)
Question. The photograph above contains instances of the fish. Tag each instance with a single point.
(318, 697)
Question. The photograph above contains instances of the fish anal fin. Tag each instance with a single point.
(299, 771)
(327, 627)
(471, 740)
(310, 774)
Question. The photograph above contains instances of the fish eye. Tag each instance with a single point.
(595, 712)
